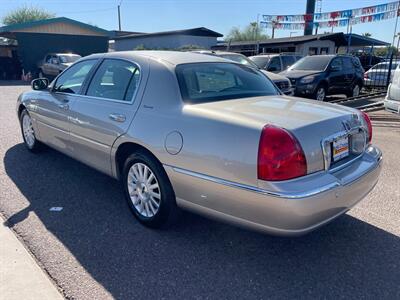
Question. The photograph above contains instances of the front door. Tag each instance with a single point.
(106, 110)
(336, 76)
(53, 106)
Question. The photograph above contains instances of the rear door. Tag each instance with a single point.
(106, 110)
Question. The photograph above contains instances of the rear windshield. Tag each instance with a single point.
(312, 63)
(208, 82)
(260, 61)
(241, 59)
(69, 58)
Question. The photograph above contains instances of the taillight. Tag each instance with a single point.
(369, 125)
(366, 76)
(280, 156)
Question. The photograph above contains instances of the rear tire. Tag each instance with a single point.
(28, 132)
(148, 191)
(355, 91)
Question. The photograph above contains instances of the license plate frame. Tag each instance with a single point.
(340, 148)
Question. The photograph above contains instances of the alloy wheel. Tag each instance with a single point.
(144, 190)
(28, 131)
(320, 94)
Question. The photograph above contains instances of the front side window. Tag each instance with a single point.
(115, 79)
(72, 79)
(69, 58)
(208, 82)
(260, 61)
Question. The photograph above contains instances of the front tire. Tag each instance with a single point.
(148, 191)
(28, 132)
(320, 93)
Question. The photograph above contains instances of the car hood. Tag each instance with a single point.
(273, 76)
(298, 73)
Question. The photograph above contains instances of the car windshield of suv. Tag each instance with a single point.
(312, 63)
(69, 58)
(241, 59)
(260, 61)
(208, 82)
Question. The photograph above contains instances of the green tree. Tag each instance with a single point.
(367, 34)
(251, 32)
(385, 51)
(26, 14)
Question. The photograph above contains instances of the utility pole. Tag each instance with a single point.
(119, 18)
(119, 15)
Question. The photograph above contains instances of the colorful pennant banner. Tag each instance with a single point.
(362, 15)
(334, 19)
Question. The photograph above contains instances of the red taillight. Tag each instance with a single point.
(369, 125)
(366, 76)
(280, 156)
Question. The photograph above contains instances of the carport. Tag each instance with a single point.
(57, 35)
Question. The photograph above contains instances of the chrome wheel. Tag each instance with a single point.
(320, 94)
(27, 130)
(144, 190)
(356, 91)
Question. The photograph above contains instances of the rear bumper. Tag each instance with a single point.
(294, 207)
(392, 105)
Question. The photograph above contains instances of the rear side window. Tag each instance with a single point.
(71, 80)
(208, 82)
(115, 79)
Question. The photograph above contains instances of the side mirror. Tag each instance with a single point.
(39, 84)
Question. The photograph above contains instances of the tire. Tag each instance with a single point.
(320, 93)
(355, 90)
(150, 210)
(28, 133)
(41, 74)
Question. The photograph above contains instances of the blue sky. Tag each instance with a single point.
(218, 15)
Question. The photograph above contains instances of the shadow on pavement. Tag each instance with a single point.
(197, 257)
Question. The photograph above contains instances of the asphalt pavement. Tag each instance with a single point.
(77, 225)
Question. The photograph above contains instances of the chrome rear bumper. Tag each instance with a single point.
(292, 207)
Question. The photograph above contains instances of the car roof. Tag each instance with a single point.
(170, 57)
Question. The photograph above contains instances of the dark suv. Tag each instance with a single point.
(320, 75)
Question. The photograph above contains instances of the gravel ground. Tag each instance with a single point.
(94, 249)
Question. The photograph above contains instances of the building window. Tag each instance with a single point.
(324, 50)
(313, 51)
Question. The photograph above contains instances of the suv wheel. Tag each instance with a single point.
(320, 93)
(355, 92)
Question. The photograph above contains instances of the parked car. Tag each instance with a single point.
(275, 62)
(377, 76)
(392, 100)
(280, 81)
(54, 63)
(320, 75)
(185, 130)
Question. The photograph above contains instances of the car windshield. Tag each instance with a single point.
(69, 58)
(260, 61)
(208, 82)
(312, 63)
(240, 59)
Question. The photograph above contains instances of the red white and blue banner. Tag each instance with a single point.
(333, 19)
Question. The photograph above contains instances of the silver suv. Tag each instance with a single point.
(275, 62)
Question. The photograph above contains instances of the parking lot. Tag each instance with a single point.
(94, 249)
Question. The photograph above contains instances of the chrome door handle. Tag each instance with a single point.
(63, 106)
(117, 117)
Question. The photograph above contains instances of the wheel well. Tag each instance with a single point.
(20, 109)
(126, 149)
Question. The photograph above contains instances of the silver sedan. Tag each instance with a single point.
(186, 130)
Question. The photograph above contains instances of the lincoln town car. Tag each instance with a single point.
(189, 131)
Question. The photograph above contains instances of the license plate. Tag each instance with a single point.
(340, 148)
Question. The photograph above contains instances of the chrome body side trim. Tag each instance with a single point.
(372, 151)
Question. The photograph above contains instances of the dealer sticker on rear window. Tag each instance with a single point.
(340, 148)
